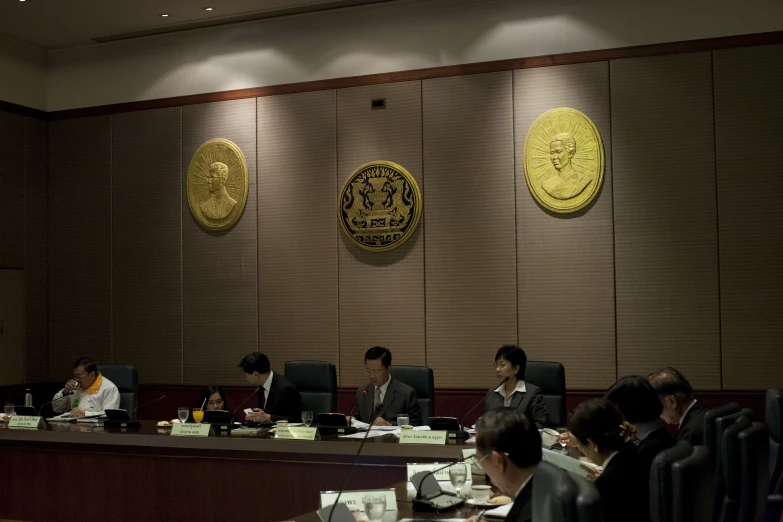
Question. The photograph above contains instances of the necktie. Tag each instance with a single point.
(377, 402)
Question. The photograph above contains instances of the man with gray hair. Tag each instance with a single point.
(679, 406)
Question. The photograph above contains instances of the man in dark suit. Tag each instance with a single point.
(679, 406)
(510, 362)
(383, 398)
(279, 399)
(508, 449)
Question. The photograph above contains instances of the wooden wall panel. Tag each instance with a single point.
(79, 243)
(381, 294)
(665, 216)
(36, 265)
(566, 261)
(749, 133)
(147, 244)
(12, 141)
(297, 229)
(470, 244)
(219, 269)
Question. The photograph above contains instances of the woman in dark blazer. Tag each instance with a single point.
(510, 362)
(598, 429)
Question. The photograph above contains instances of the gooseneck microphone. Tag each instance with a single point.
(234, 413)
(356, 457)
(462, 434)
(137, 408)
(350, 414)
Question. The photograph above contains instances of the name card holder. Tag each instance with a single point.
(423, 437)
(470, 458)
(442, 474)
(191, 430)
(355, 499)
(297, 432)
(27, 422)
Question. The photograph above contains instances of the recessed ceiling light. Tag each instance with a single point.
(164, 15)
(207, 9)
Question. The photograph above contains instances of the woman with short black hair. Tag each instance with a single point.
(510, 364)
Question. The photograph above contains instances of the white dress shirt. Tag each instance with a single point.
(609, 459)
(523, 486)
(520, 387)
(686, 413)
(267, 386)
(384, 388)
(107, 398)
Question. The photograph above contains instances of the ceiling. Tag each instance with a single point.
(59, 24)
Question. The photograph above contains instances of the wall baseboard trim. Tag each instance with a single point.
(706, 44)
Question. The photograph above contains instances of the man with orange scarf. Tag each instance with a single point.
(88, 391)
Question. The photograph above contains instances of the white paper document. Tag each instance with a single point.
(500, 511)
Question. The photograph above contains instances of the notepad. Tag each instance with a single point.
(500, 511)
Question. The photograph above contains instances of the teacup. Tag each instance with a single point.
(481, 493)
(549, 437)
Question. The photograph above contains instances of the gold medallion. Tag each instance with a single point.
(380, 206)
(217, 184)
(564, 160)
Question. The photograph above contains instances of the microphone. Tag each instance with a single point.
(234, 413)
(137, 408)
(462, 434)
(38, 412)
(350, 414)
(430, 502)
(344, 508)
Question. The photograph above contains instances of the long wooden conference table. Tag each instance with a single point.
(80, 472)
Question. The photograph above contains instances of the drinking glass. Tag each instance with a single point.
(458, 473)
(374, 507)
(183, 412)
(9, 409)
(198, 415)
(307, 418)
(403, 420)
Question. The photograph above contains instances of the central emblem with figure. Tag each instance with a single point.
(380, 206)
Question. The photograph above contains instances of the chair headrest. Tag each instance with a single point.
(549, 376)
(774, 416)
(311, 376)
(124, 377)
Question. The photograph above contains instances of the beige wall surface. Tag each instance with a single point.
(676, 262)
(23, 74)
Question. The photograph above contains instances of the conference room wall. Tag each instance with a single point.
(666, 248)
(297, 227)
(748, 131)
(470, 257)
(381, 295)
(566, 261)
(632, 351)
(12, 202)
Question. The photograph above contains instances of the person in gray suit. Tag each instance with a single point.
(510, 361)
(383, 398)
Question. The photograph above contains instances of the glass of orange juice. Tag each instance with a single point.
(198, 414)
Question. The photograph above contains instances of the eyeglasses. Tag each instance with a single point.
(79, 376)
(500, 365)
(479, 461)
(373, 372)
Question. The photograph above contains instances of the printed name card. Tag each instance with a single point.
(296, 432)
(353, 499)
(470, 458)
(25, 421)
(423, 437)
(191, 430)
(442, 474)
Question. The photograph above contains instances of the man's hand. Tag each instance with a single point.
(70, 386)
(258, 415)
(380, 421)
(471, 519)
(76, 412)
(566, 439)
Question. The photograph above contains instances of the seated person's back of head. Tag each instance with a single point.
(599, 430)
(679, 406)
(508, 449)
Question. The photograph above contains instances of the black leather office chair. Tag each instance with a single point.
(754, 461)
(554, 495)
(694, 487)
(126, 378)
(710, 436)
(550, 377)
(316, 382)
(661, 486)
(730, 485)
(421, 379)
(588, 501)
(774, 417)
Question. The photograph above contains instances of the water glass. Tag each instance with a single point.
(458, 474)
(9, 409)
(307, 418)
(374, 507)
(183, 412)
(403, 420)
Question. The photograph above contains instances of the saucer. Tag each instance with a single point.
(473, 502)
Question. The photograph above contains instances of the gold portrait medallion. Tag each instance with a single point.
(217, 184)
(564, 160)
(380, 206)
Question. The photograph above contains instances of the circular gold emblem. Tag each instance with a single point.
(380, 206)
(564, 160)
(217, 184)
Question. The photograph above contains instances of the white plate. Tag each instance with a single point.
(473, 502)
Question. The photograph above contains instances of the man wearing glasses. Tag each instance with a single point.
(88, 391)
(383, 398)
